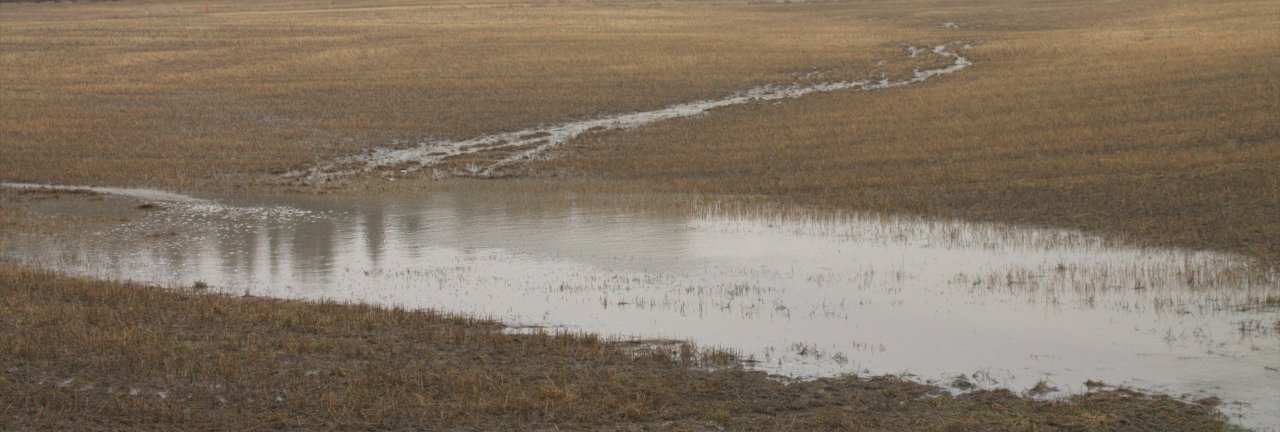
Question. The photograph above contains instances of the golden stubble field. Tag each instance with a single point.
(162, 94)
(1155, 121)
(1151, 120)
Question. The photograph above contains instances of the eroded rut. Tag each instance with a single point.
(507, 148)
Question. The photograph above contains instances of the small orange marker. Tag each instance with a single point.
(206, 8)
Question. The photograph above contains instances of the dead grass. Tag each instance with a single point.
(1151, 120)
(164, 95)
(1148, 120)
(84, 354)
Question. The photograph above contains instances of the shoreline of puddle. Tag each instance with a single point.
(927, 300)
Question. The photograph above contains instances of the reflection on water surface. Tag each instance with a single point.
(801, 296)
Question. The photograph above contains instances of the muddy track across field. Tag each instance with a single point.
(492, 153)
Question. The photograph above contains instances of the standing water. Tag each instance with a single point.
(798, 296)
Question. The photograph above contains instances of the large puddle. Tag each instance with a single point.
(801, 296)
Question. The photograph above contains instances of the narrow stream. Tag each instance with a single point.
(512, 147)
(801, 296)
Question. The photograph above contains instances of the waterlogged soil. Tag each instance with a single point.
(488, 155)
(196, 361)
(961, 305)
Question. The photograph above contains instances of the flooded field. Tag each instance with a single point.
(958, 304)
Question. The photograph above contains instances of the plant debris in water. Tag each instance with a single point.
(195, 360)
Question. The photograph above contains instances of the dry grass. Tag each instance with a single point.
(83, 355)
(161, 94)
(1152, 121)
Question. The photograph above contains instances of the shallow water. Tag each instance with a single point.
(803, 296)
(518, 146)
